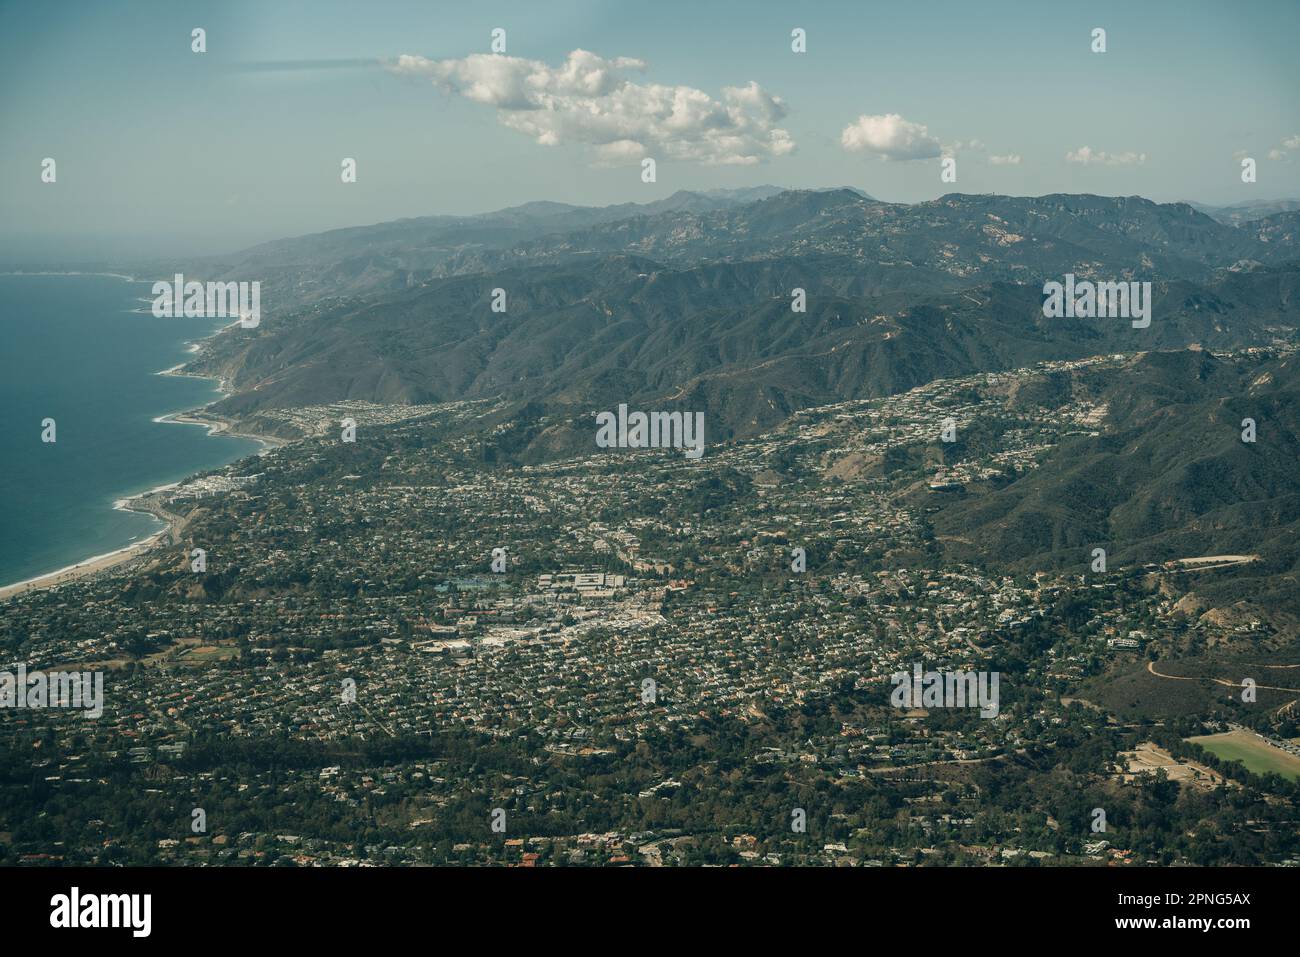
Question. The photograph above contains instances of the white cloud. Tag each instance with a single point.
(619, 153)
(590, 100)
(979, 146)
(1087, 156)
(1289, 143)
(890, 137)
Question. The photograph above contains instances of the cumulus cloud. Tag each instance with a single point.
(1280, 152)
(589, 99)
(979, 146)
(1087, 156)
(890, 137)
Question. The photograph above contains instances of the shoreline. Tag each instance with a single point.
(88, 567)
(110, 275)
(218, 426)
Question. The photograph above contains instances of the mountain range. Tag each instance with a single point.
(687, 303)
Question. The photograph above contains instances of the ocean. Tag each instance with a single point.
(74, 349)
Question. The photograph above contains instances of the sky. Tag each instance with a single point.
(162, 151)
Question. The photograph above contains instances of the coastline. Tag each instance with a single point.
(200, 416)
(111, 275)
(217, 426)
(86, 567)
(172, 524)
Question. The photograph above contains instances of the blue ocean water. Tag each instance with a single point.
(73, 349)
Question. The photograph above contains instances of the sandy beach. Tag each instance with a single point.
(85, 569)
(173, 524)
(121, 556)
(99, 563)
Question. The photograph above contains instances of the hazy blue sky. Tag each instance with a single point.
(161, 150)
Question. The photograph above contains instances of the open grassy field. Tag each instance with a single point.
(1255, 754)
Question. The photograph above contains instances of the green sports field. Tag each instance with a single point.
(1257, 756)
